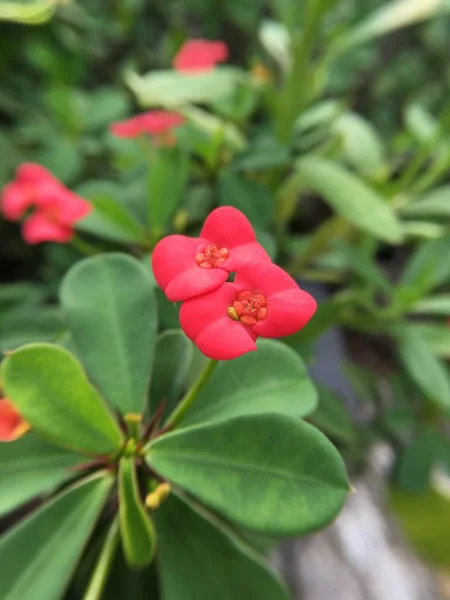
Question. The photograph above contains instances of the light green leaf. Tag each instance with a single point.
(433, 305)
(361, 143)
(434, 204)
(188, 538)
(51, 391)
(167, 179)
(136, 528)
(33, 13)
(267, 472)
(109, 219)
(436, 337)
(351, 198)
(171, 89)
(30, 467)
(421, 124)
(112, 314)
(215, 127)
(426, 270)
(276, 41)
(173, 357)
(38, 556)
(429, 374)
(272, 380)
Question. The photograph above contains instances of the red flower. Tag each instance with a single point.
(157, 123)
(185, 267)
(263, 301)
(57, 209)
(200, 55)
(12, 426)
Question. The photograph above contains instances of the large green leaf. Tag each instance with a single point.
(171, 89)
(109, 219)
(111, 310)
(172, 360)
(136, 528)
(429, 374)
(187, 539)
(436, 336)
(39, 555)
(167, 179)
(351, 198)
(50, 389)
(272, 380)
(30, 467)
(268, 472)
(253, 199)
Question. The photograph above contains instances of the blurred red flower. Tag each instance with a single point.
(263, 301)
(185, 267)
(157, 123)
(12, 426)
(56, 208)
(196, 56)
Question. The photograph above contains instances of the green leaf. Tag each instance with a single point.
(173, 357)
(267, 472)
(50, 389)
(332, 417)
(434, 204)
(171, 89)
(253, 199)
(365, 267)
(39, 555)
(426, 270)
(272, 380)
(435, 336)
(215, 128)
(361, 143)
(187, 538)
(351, 198)
(31, 467)
(275, 39)
(26, 325)
(109, 219)
(33, 13)
(136, 528)
(428, 373)
(433, 305)
(167, 180)
(112, 314)
(416, 462)
(105, 105)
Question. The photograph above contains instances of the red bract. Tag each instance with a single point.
(12, 426)
(56, 209)
(185, 267)
(263, 301)
(200, 55)
(157, 123)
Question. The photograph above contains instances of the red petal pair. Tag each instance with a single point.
(57, 209)
(157, 123)
(263, 301)
(185, 267)
(197, 56)
(12, 426)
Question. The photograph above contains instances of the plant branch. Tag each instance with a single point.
(102, 568)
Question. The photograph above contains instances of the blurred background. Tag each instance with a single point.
(329, 127)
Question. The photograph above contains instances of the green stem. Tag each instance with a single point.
(102, 568)
(186, 402)
(84, 247)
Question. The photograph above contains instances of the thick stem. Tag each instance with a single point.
(102, 568)
(191, 396)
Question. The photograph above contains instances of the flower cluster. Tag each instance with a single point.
(50, 209)
(194, 57)
(12, 426)
(223, 318)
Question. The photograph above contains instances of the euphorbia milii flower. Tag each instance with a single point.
(157, 123)
(12, 426)
(197, 56)
(185, 267)
(262, 301)
(56, 209)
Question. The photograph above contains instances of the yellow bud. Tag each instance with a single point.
(133, 418)
(154, 500)
(231, 312)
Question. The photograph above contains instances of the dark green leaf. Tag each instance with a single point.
(39, 555)
(272, 380)
(332, 417)
(112, 314)
(187, 539)
(136, 528)
(268, 472)
(50, 389)
(253, 199)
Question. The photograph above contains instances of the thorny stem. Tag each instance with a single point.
(186, 402)
(102, 568)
